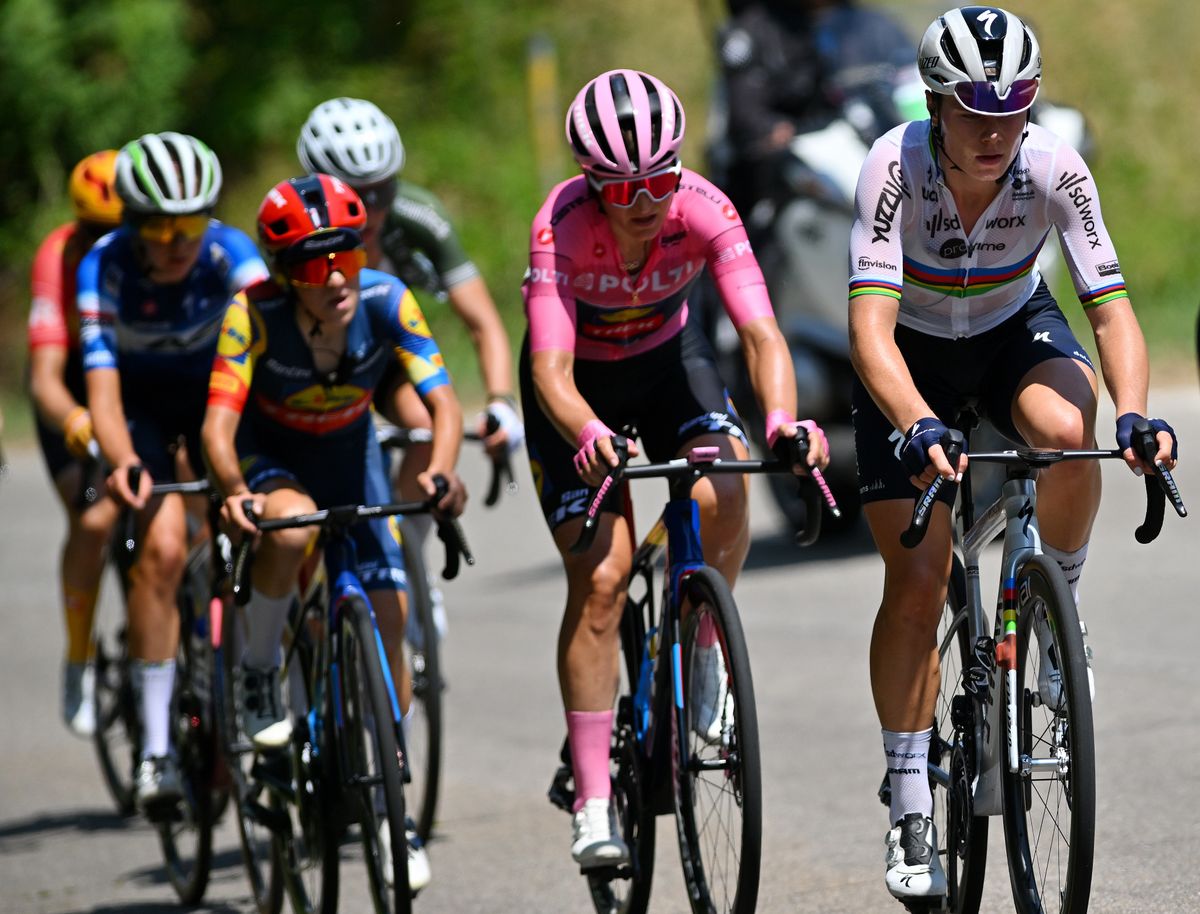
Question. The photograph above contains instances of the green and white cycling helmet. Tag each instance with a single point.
(351, 139)
(169, 173)
(988, 59)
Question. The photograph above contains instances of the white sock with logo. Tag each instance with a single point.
(153, 683)
(907, 757)
(1071, 564)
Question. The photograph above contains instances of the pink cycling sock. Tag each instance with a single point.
(590, 733)
(706, 632)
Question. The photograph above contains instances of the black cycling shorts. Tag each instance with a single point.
(670, 394)
(986, 369)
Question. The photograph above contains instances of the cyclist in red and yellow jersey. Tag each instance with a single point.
(64, 425)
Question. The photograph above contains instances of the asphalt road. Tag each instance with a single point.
(502, 847)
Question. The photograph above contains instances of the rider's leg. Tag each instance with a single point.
(1055, 406)
(391, 611)
(82, 561)
(154, 617)
(588, 654)
(904, 653)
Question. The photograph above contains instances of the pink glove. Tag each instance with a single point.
(586, 439)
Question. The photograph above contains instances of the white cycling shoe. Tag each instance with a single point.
(79, 698)
(914, 869)
(419, 872)
(596, 840)
(712, 706)
(1050, 688)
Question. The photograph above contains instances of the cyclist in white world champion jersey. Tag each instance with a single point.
(947, 305)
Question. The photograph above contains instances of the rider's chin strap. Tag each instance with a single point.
(939, 143)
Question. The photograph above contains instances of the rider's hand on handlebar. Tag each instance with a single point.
(1168, 444)
(596, 454)
(780, 424)
(233, 513)
(118, 485)
(77, 432)
(509, 432)
(455, 499)
(922, 454)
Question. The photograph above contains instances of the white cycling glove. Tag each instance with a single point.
(509, 422)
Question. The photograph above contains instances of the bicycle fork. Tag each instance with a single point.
(1015, 514)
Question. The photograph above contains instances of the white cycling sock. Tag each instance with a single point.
(907, 756)
(1071, 564)
(265, 621)
(417, 530)
(153, 683)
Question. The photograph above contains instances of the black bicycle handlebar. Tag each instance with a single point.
(341, 517)
(126, 549)
(1160, 486)
(790, 452)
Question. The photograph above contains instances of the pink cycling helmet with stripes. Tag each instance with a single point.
(625, 123)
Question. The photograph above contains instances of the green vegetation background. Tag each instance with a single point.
(79, 75)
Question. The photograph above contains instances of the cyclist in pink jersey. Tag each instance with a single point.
(614, 253)
(64, 425)
(947, 306)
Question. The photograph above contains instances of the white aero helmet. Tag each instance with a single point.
(351, 139)
(985, 57)
(169, 173)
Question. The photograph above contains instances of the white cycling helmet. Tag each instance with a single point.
(351, 139)
(988, 59)
(169, 173)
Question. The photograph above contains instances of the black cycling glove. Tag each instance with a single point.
(924, 434)
(1125, 433)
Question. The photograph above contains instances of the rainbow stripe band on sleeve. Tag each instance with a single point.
(1103, 295)
(875, 287)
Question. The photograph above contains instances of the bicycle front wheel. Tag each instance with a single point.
(1050, 802)
(372, 757)
(715, 757)
(961, 835)
(422, 655)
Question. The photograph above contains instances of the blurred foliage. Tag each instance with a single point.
(79, 75)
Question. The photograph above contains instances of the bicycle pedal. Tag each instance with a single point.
(925, 905)
(164, 812)
(607, 873)
(275, 822)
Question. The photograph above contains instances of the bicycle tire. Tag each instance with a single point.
(422, 656)
(256, 840)
(962, 836)
(1035, 804)
(721, 857)
(186, 835)
(117, 735)
(308, 848)
(372, 756)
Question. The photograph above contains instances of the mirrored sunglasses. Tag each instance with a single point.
(165, 229)
(314, 272)
(981, 97)
(623, 192)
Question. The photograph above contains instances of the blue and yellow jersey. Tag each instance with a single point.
(264, 367)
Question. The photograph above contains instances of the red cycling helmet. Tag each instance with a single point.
(305, 217)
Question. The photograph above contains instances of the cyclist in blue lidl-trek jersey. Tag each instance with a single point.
(151, 297)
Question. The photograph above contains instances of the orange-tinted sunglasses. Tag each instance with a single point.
(164, 229)
(314, 272)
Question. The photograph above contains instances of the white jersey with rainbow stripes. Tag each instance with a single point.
(908, 242)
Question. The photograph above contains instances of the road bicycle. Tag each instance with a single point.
(422, 653)
(1000, 746)
(685, 736)
(185, 829)
(347, 764)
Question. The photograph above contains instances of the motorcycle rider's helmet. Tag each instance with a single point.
(625, 123)
(93, 194)
(986, 58)
(170, 174)
(351, 139)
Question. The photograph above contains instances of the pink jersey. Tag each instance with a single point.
(579, 298)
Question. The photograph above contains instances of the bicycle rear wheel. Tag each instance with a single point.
(373, 758)
(1050, 805)
(117, 735)
(718, 790)
(255, 810)
(422, 655)
(962, 836)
